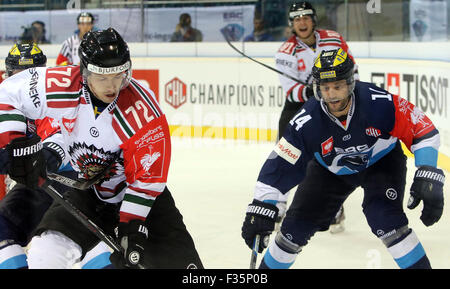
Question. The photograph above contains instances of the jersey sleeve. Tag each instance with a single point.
(146, 159)
(286, 165)
(416, 131)
(286, 61)
(22, 96)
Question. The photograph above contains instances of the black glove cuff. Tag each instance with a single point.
(430, 174)
(263, 210)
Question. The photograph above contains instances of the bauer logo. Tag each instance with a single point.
(287, 151)
(175, 93)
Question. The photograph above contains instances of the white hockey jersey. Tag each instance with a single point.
(295, 58)
(132, 132)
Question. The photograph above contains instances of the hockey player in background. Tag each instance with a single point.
(295, 57)
(348, 137)
(68, 55)
(108, 120)
(22, 208)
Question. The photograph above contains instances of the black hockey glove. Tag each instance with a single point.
(53, 155)
(259, 220)
(428, 186)
(26, 161)
(132, 236)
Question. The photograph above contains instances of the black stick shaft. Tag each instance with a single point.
(265, 65)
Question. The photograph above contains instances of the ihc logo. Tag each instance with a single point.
(175, 93)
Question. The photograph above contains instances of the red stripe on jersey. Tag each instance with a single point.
(147, 192)
(152, 100)
(62, 104)
(410, 122)
(8, 136)
(6, 107)
(126, 217)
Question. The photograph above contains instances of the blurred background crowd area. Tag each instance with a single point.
(52, 21)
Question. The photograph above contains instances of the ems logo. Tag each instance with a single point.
(327, 146)
(371, 131)
(175, 93)
(69, 124)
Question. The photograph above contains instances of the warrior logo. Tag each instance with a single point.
(89, 161)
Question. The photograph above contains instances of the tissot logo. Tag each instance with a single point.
(427, 92)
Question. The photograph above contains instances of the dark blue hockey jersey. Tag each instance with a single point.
(375, 122)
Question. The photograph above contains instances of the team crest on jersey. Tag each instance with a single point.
(148, 159)
(327, 146)
(371, 131)
(68, 124)
(90, 161)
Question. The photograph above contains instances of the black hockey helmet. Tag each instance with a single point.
(333, 65)
(24, 56)
(85, 17)
(300, 9)
(104, 52)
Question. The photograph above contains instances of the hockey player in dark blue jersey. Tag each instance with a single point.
(348, 137)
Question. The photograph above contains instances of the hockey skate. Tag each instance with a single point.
(337, 225)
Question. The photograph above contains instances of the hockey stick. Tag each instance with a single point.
(265, 65)
(255, 250)
(79, 184)
(80, 216)
(83, 219)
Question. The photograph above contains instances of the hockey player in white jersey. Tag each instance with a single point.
(107, 120)
(295, 57)
(68, 55)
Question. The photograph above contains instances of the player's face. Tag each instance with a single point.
(335, 95)
(106, 87)
(303, 26)
(85, 27)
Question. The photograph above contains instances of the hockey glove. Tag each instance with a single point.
(132, 236)
(26, 161)
(259, 220)
(428, 186)
(53, 155)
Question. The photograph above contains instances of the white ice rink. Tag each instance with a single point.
(212, 182)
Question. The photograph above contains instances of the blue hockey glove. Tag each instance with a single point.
(259, 220)
(428, 186)
(132, 236)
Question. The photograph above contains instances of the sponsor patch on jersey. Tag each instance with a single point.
(287, 151)
(327, 146)
(371, 131)
(69, 124)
